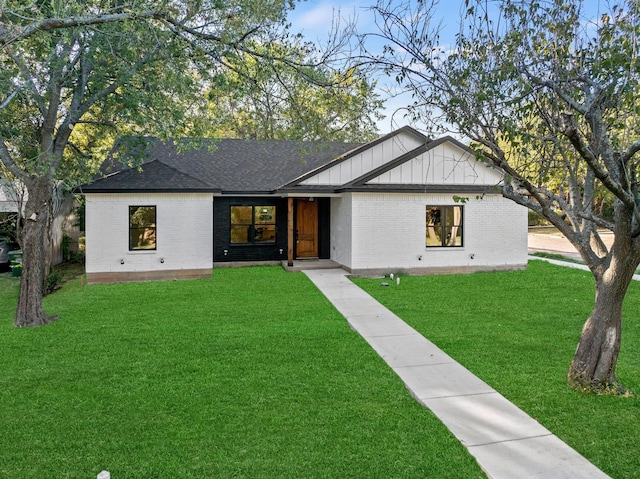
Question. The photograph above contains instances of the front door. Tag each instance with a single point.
(307, 228)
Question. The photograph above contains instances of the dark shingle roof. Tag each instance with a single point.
(155, 176)
(228, 165)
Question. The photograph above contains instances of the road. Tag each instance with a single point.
(559, 244)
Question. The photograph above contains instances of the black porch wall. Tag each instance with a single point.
(222, 234)
(324, 225)
(268, 252)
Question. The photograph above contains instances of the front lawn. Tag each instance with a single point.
(518, 332)
(251, 373)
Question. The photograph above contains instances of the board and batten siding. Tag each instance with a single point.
(388, 234)
(363, 162)
(184, 235)
(445, 164)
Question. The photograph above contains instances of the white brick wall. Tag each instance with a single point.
(388, 232)
(341, 237)
(184, 232)
(369, 231)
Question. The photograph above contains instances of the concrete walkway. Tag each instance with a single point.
(505, 441)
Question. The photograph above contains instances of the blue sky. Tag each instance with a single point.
(314, 18)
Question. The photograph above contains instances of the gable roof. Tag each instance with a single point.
(419, 138)
(226, 166)
(439, 163)
(401, 161)
(154, 177)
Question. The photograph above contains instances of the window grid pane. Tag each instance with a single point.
(444, 226)
(142, 228)
(265, 215)
(253, 225)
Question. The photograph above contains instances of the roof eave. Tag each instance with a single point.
(83, 191)
(403, 188)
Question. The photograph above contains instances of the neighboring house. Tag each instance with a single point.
(399, 203)
(13, 196)
(13, 199)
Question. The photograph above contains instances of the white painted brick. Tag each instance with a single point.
(341, 237)
(184, 232)
(388, 231)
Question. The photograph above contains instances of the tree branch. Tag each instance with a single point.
(11, 35)
(632, 150)
(8, 162)
(11, 96)
(571, 132)
(30, 81)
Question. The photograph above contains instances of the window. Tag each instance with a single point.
(253, 224)
(142, 228)
(444, 226)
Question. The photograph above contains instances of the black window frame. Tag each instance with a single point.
(254, 226)
(153, 227)
(445, 210)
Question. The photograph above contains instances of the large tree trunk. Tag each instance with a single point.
(594, 365)
(34, 243)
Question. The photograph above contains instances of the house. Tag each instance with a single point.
(399, 203)
(12, 196)
(13, 199)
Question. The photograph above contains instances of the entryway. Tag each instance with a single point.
(306, 228)
(310, 264)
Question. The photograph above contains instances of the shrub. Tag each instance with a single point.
(54, 282)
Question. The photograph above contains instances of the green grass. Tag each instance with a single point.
(518, 332)
(251, 373)
(556, 256)
(545, 230)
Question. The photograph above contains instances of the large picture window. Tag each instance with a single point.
(444, 226)
(142, 228)
(253, 224)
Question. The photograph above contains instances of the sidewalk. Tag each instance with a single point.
(548, 243)
(505, 441)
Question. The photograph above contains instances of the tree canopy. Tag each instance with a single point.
(547, 92)
(252, 100)
(74, 75)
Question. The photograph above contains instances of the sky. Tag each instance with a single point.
(313, 18)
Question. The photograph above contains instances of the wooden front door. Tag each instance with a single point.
(306, 228)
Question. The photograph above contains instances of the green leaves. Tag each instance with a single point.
(265, 97)
(107, 69)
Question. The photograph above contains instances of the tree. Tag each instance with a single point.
(548, 94)
(252, 100)
(13, 194)
(73, 73)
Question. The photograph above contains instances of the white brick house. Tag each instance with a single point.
(399, 203)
